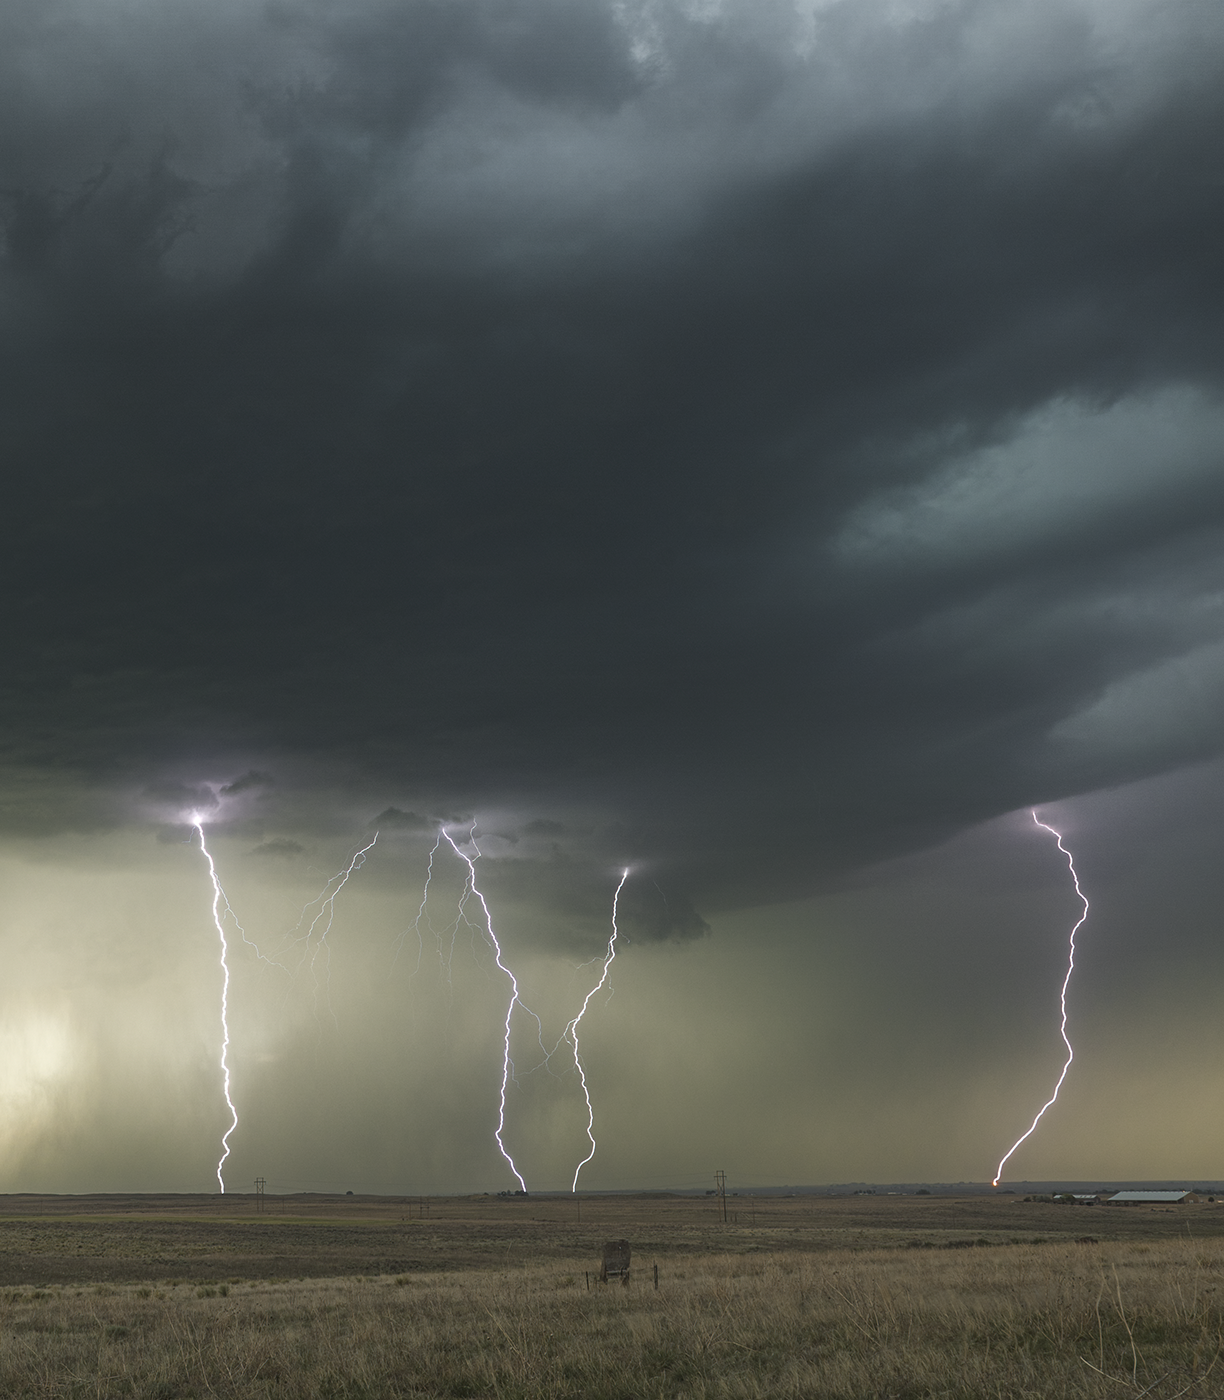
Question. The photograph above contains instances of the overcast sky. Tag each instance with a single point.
(769, 447)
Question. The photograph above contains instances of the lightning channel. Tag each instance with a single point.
(507, 1063)
(219, 903)
(323, 920)
(1062, 999)
(571, 1031)
(327, 916)
(421, 914)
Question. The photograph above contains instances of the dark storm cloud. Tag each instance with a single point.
(249, 782)
(279, 848)
(573, 881)
(650, 913)
(793, 437)
(395, 820)
(179, 834)
(182, 795)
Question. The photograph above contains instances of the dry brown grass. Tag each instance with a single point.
(1053, 1320)
(66, 1239)
(363, 1298)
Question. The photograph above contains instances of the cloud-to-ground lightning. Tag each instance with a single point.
(507, 1063)
(483, 924)
(219, 902)
(1062, 999)
(222, 910)
(571, 1031)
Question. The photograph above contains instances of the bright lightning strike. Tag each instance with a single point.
(1062, 997)
(219, 901)
(571, 1031)
(319, 929)
(507, 1064)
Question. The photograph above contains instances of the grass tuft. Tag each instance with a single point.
(1009, 1321)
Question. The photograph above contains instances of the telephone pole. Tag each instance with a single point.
(720, 1182)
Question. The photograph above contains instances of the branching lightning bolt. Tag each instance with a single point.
(422, 914)
(1062, 998)
(222, 910)
(325, 917)
(571, 1031)
(220, 901)
(484, 925)
(507, 1063)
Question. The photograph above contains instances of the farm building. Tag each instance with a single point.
(1151, 1198)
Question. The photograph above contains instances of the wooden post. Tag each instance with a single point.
(656, 1269)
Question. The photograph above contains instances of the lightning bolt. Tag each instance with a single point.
(507, 1063)
(421, 914)
(219, 903)
(571, 1031)
(326, 901)
(570, 1035)
(1062, 998)
(221, 910)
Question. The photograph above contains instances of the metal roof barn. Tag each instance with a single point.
(1150, 1197)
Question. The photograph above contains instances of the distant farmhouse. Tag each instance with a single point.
(1152, 1198)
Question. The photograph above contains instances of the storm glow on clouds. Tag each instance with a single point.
(771, 447)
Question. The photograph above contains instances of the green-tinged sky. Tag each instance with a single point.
(769, 446)
(903, 1026)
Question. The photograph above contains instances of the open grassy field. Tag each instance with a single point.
(485, 1296)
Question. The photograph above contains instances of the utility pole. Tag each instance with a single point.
(260, 1183)
(720, 1182)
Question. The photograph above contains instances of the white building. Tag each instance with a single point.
(1151, 1198)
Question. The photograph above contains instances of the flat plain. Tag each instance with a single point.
(352, 1296)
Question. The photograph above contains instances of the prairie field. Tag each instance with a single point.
(855, 1297)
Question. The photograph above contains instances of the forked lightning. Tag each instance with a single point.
(221, 911)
